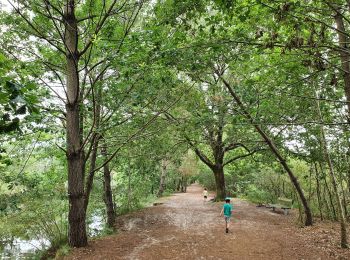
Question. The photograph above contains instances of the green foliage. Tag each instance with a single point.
(206, 178)
(17, 95)
(45, 219)
(257, 195)
(63, 251)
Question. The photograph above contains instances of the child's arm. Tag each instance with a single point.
(222, 211)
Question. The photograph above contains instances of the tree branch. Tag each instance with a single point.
(242, 156)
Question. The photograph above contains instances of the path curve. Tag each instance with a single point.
(184, 227)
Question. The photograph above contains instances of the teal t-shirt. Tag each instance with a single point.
(227, 209)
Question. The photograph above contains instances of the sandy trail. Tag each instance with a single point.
(186, 228)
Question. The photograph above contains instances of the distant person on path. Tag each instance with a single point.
(227, 210)
(205, 194)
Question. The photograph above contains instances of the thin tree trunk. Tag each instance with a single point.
(90, 177)
(108, 195)
(178, 188)
(344, 243)
(330, 195)
(329, 211)
(345, 62)
(344, 199)
(318, 191)
(310, 187)
(274, 149)
(162, 178)
(129, 188)
(75, 155)
(344, 57)
(343, 231)
(185, 184)
(96, 139)
(182, 184)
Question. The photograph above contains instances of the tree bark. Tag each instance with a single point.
(178, 187)
(162, 178)
(344, 57)
(343, 231)
(96, 139)
(318, 191)
(220, 183)
(182, 184)
(274, 149)
(90, 177)
(344, 243)
(75, 155)
(344, 201)
(330, 195)
(108, 195)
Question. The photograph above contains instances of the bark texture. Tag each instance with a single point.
(75, 155)
(343, 231)
(344, 57)
(108, 195)
(162, 178)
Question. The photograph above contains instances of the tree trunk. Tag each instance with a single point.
(220, 183)
(343, 235)
(330, 195)
(344, 243)
(318, 191)
(344, 57)
(274, 149)
(344, 199)
(328, 207)
(96, 138)
(108, 196)
(75, 155)
(129, 188)
(310, 186)
(162, 178)
(90, 177)
(182, 184)
(178, 187)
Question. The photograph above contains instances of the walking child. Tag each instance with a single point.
(227, 210)
(205, 194)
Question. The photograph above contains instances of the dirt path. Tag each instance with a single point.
(186, 228)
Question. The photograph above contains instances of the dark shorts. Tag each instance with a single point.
(205, 197)
(227, 218)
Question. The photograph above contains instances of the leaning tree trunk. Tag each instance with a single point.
(75, 155)
(108, 196)
(274, 149)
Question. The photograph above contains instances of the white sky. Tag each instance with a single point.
(4, 5)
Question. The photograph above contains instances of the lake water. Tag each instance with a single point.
(25, 249)
(22, 249)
